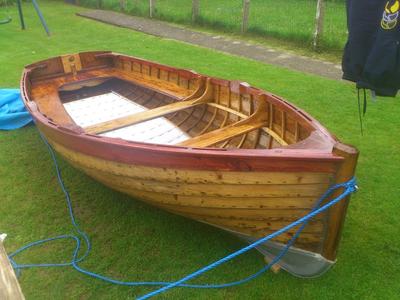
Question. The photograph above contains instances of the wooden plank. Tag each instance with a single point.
(313, 227)
(272, 203)
(9, 286)
(217, 190)
(259, 230)
(262, 215)
(192, 176)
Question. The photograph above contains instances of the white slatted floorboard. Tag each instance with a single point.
(97, 109)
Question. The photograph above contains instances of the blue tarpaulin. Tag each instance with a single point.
(13, 114)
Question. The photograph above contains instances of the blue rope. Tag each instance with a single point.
(349, 187)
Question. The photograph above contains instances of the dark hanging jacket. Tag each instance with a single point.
(372, 54)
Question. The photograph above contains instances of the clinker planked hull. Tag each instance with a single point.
(241, 159)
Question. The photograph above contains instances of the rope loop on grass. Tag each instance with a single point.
(347, 187)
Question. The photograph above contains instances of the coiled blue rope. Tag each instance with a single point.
(348, 188)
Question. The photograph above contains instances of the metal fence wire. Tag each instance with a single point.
(290, 20)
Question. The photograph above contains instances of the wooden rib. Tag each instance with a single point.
(209, 122)
(225, 143)
(283, 125)
(149, 114)
(199, 119)
(172, 116)
(185, 118)
(256, 139)
(224, 120)
(240, 104)
(271, 115)
(270, 142)
(242, 141)
(251, 105)
(296, 132)
(147, 100)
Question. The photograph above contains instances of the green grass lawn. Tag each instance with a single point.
(290, 21)
(133, 241)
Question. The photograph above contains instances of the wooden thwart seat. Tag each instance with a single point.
(257, 120)
(140, 117)
(222, 134)
(154, 113)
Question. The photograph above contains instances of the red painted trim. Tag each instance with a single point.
(118, 150)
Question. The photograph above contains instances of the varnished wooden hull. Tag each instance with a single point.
(251, 192)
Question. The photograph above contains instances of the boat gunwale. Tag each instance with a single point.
(205, 153)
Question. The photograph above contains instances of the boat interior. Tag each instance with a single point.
(135, 100)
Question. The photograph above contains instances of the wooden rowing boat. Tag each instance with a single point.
(217, 151)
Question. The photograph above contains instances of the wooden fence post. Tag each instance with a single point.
(152, 7)
(195, 10)
(245, 19)
(319, 23)
(122, 5)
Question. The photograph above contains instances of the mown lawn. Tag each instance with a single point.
(133, 241)
(290, 21)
